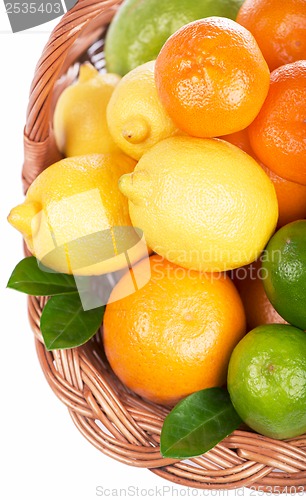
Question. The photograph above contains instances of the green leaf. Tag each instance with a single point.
(65, 324)
(28, 278)
(197, 423)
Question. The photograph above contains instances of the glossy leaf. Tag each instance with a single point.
(65, 324)
(28, 278)
(197, 423)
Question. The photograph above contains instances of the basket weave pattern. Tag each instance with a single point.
(110, 416)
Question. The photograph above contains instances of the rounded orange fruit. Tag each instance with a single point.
(278, 27)
(291, 198)
(174, 335)
(211, 77)
(258, 308)
(277, 134)
(240, 139)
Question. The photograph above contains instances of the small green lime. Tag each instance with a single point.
(284, 272)
(267, 380)
(141, 27)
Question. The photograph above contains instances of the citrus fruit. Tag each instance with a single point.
(74, 218)
(258, 308)
(136, 118)
(278, 27)
(284, 275)
(267, 380)
(240, 139)
(80, 114)
(291, 198)
(141, 27)
(211, 77)
(277, 134)
(175, 335)
(202, 203)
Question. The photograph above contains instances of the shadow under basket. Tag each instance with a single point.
(116, 421)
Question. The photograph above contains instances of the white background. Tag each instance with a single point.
(43, 454)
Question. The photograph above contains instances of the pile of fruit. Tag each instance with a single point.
(184, 179)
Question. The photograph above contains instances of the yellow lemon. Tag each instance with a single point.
(79, 121)
(136, 118)
(202, 203)
(74, 218)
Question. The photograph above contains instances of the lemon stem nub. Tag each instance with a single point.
(22, 216)
(137, 186)
(136, 131)
(87, 72)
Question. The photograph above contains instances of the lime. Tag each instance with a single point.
(267, 380)
(284, 272)
(141, 27)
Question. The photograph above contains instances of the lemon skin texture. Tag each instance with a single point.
(202, 204)
(74, 218)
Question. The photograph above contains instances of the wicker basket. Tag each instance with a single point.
(129, 428)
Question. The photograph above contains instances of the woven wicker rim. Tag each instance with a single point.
(115, 420)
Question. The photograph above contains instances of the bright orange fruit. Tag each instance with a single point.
(175, 335)
(211, 77)
(291, 198)
(258, 308)
(241, 140)
(277, 134)
(279, 28)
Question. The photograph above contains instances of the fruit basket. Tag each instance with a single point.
(116, 421)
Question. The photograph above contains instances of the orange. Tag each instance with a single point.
(258, 308)
(291, 198)
(211, 77)
(279, 28)
(240, 139)
(175, 335)
(277, 134)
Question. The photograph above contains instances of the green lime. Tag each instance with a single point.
(267, 380)
(141, 27)
(284, 272)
